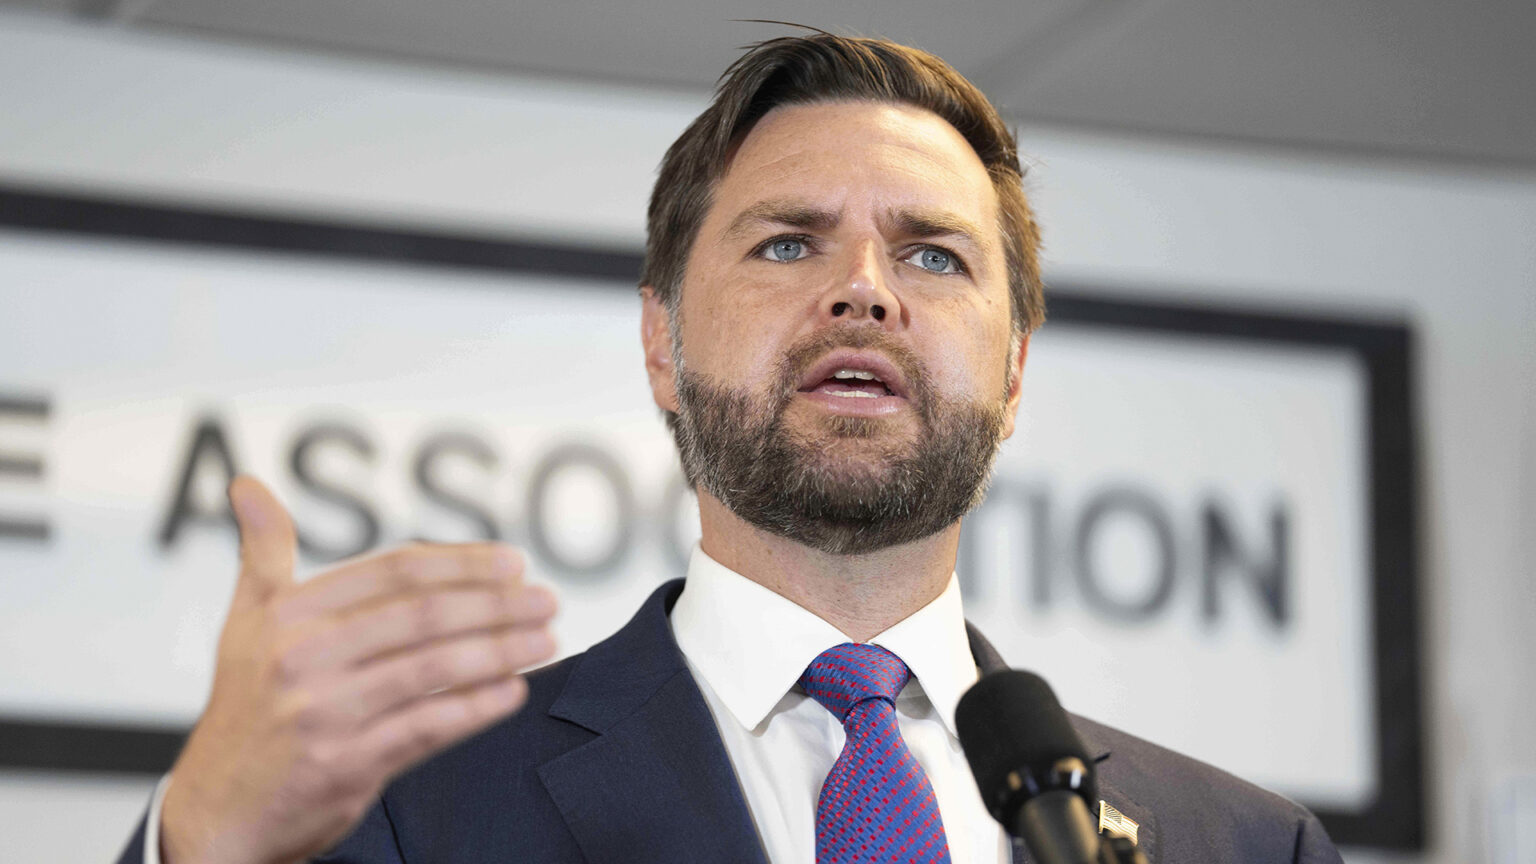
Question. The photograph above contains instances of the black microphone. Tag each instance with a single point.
(1033, 771)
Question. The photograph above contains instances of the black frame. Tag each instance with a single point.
(1395, 820)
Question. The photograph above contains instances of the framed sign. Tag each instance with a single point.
(1203, 532)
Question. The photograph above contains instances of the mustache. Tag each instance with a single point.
(805, 352)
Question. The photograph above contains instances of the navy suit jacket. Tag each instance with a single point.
(616, 758)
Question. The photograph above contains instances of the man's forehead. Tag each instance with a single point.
(853, 126)
(813, 158)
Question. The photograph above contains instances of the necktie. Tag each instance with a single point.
(877, 804)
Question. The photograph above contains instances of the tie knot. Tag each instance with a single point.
(845, 675)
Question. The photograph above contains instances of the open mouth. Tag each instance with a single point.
(852, 384)
(863, 382)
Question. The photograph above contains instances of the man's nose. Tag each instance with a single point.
(864, 290)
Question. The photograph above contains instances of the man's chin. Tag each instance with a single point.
(816, 427)
(853, 464)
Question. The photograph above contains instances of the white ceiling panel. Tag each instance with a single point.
(1420, 78)
(54, 6)
(1412, 76)
(678, 43)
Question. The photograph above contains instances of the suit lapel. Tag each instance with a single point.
(656, 783)
(989, 660)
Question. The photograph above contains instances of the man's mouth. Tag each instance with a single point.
(863, 381)
(853, 384)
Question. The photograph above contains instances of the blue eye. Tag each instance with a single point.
(935, 260)
(785, 249)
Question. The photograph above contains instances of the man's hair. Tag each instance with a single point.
(799, 70)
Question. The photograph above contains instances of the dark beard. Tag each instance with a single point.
(736, 447)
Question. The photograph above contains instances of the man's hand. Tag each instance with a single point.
(326, 690)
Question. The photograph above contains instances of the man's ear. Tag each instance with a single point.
(656, 339)
(1015, 387)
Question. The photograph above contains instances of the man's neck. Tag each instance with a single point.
(861, 595)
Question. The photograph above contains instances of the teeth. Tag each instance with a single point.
(854, 373)
(853, 394)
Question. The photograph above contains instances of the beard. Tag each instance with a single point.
(847, 487)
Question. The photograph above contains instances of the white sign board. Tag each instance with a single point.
(1178, 536)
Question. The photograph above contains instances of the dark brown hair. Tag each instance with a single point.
(797, 70)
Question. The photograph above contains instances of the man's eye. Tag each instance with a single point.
(784, 249)
(934, 260)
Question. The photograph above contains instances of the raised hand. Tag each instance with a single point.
(324, 691)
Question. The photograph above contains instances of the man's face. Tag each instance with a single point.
(842, 365)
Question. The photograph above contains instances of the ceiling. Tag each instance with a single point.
(1397, 78)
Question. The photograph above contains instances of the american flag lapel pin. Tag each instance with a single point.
(1112, 821)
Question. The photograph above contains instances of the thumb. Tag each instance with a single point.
(267, 540)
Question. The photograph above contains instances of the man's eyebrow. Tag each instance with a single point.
(801, 216)
(911, 223)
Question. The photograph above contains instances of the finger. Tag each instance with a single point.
(365, 633)
(267, 540)
(401, 739)
(407, 569)
(393, 682)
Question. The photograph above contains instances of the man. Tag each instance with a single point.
(839, 289)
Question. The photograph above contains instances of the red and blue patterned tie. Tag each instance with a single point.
(877, 804)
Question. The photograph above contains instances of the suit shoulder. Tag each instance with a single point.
(483, 793)
(528, 736)
(1134, 763)
(1203, 812)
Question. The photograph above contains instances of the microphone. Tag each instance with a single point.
(1033, 772)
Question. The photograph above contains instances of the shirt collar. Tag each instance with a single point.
(934, 644)
(750, 644)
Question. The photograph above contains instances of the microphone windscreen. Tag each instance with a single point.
(1010, 722)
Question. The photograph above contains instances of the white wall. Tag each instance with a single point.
(1449, 249)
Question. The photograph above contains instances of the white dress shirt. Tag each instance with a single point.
(747, 646)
